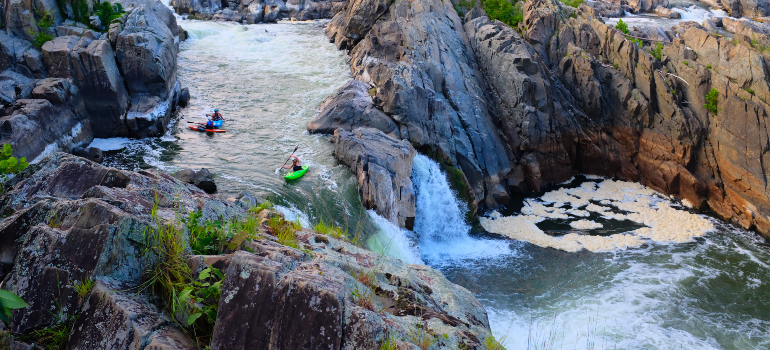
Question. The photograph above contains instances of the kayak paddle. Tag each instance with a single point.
(284, 163)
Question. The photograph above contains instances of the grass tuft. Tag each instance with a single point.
(389, 343)
(330, 230)
(363, 297)
(84, 287)
(419, 336)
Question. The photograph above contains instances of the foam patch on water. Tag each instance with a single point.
(111, 144)
(293, 214)
(665, 224)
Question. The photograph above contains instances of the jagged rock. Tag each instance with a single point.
(54, 119)
(433, 91)
(112, 319)
(383, 166)
(21, 16)
(91, 153)
(349, 108)
(667, 13)
(184, 97)
(202, 179)
(603, 9)
(747, 8)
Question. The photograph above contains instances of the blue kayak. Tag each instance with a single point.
(218, 123)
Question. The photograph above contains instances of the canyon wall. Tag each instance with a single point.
(520, 108)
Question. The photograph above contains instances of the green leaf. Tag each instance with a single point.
(5, 314)
(191, 319)
(206, 273)
(11, 301)
(185, 294)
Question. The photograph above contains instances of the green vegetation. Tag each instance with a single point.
(9, 165)
(572, 3)
(52, 338)
(284, 230)
(657, 52)
(490, 343)
(708, 66)
(41, 36)
(622, 26)
(711, 101)
(106, 12)
(506, 11)
(8, 302)
(637, 41)
(331, 231)
(389, 343)
(363, 297)
(55, 221)
(751, 91)
(419, 336)
(686, 63)
(84, 287)
(199, 302)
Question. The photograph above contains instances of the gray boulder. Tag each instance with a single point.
(201, 179)
(349, 108)
(383, 167)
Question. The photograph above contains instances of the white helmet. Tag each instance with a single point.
(209, 117)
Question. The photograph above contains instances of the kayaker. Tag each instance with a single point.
(295, 165)
(209, 123)
(216, 116)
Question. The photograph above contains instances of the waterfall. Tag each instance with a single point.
(439, 223)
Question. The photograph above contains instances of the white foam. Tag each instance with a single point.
(111, 144)
(291, 213)
(665, 223)
(393, 241)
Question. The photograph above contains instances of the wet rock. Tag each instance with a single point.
(383, 166)
(184, 97)
(202, 179)
(349, 108)
(665, 12)
(91, 153)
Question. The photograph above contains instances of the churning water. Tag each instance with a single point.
(709, 293)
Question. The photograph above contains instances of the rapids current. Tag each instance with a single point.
(708, 293)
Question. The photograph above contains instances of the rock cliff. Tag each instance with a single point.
(121, 83)
(69, 220)
(520, 108)
(257, 11)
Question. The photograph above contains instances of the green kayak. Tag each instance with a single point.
(296, 174)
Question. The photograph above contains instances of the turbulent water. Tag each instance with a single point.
(709, 293)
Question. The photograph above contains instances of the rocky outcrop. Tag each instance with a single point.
(257, 11)
(566, 94)
(383, 167)
(201, 179)
(70, 220)
(126, 79)
(746, 8)
(425, 78)
(352, 107)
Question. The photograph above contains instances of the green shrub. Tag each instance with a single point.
(9, 165)
(332, 231)
(711, 101)
(199, 302)
(107, 13)
(622, 26)
(708, 66)
(686, 63)
(751, 91)
(84, 287)
(41, 36)
(637, 41)
(506, 11)
(657, 52)
(573, 3)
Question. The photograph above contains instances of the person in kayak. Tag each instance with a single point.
(216, 116)
(295, 165)
(209, 123)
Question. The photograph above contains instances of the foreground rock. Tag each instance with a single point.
(383, 166)
(70, 220)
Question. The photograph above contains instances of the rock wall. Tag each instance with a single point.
(123, 82)
(563, 94)
(69, 219)
(258, 11)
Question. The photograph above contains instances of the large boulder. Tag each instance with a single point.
(349, 108)
(53, 119)
(383, 167)
(21, 16)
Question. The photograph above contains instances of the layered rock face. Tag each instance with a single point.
(383, 167)
(70, 219)
(121, 84)
(567, 95)
(258, 11)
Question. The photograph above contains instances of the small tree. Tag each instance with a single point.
(9, 165)
(711, 101)
(622, 26)
(41, 36)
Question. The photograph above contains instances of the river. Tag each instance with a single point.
(267, 80)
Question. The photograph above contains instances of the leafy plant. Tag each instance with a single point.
(41, 36)
(637, 41)
(708, 66)
(657, 51)
(506, 11)
(107, 12)
(262, 206)
(8, 302)
(622, 26)
(751, 91)
(419, 336)
(199, 302)
(9, 165)
(52, 338)
(616, 65)
(284, 231)
(711, 101)
(686, 63)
